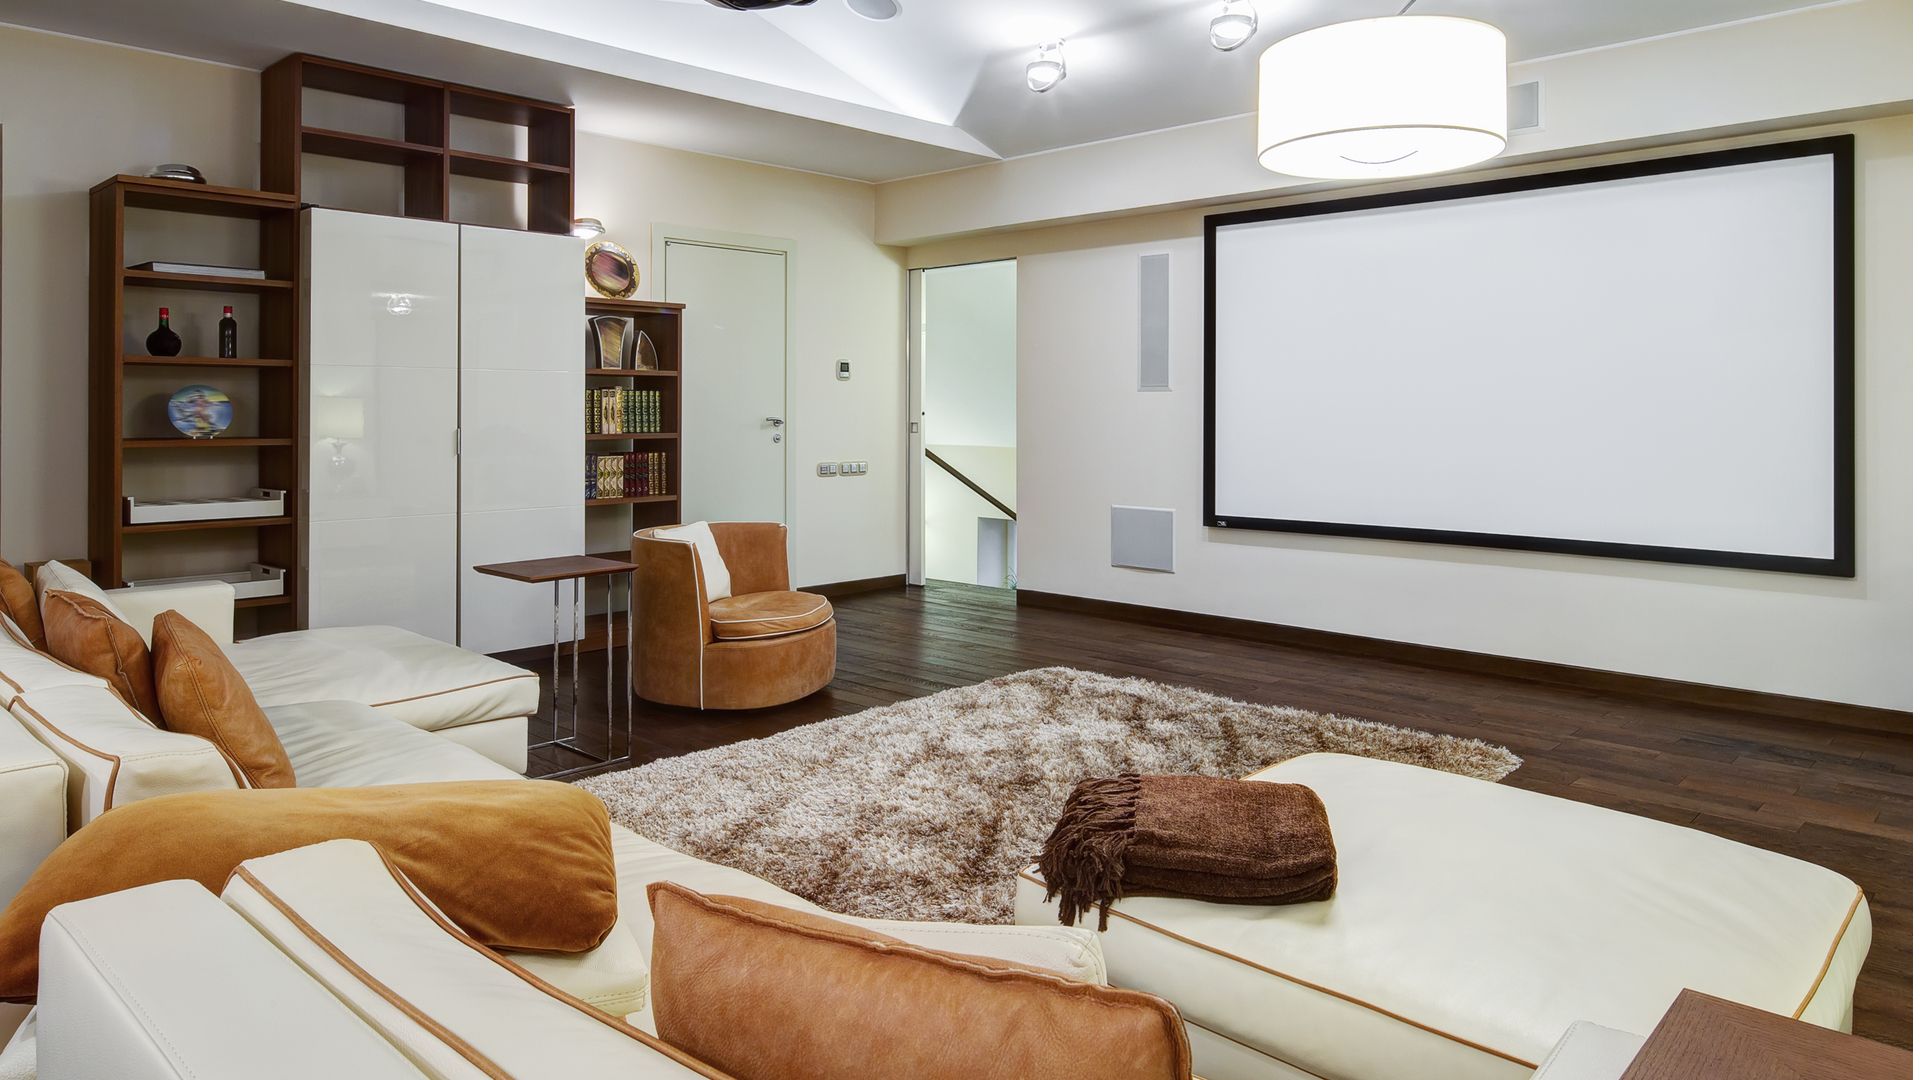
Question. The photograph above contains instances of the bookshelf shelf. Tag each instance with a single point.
(619, 373)
(636, 436)
(634, 500)
(198, 526)
(122, 460)
(369, 148)
(263, 601)
(661, 321)
(132, 360)
(156, 279)
(181, 442)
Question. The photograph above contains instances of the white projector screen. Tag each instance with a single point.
(1650, 360)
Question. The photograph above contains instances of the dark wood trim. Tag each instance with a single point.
(1543, 671)
(834, 589)
(1841, 564)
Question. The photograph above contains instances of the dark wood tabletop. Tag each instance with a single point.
(1706, 1038)
(561, 568)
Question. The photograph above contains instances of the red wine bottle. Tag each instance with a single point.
(229, 334)
(163, 341)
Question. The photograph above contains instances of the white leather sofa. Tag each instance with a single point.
(1474, 923)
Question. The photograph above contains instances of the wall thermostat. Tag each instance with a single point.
(845, 370)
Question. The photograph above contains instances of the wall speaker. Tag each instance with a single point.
(1155, 336)
(1143, 538)
(1523, 107)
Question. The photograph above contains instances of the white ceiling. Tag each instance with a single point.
(822, 88)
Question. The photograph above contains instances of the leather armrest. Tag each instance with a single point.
(206, 604)
(114, 755)
(33, 788)
(164, 982)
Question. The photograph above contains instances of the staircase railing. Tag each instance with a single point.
(977, 489)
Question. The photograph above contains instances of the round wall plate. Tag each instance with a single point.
(611, 270)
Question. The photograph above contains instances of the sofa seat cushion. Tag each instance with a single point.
(347, 744)
(427, 683)
(1476, 921)
(453, 1006)
(767, 614)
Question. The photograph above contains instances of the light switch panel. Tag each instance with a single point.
(829, 468)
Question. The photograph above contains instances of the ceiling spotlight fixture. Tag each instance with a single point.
(1050, 69)
(757, 5)
(1234, 25)
(877, 10)
(586, 228)
(1397, 96)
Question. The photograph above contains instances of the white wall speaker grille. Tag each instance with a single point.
(1523, 107)
(1143, 538)
(1155, 333)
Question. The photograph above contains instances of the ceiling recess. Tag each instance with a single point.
(877, 10)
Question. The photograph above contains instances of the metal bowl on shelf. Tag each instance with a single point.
(176, 171)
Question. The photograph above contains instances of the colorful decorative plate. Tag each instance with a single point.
(200, 412)
(611, 270)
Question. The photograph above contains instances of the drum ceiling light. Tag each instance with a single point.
(1396, 96)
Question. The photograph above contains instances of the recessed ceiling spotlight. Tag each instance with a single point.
(1234, 25)
(1050, 69)
(877, 10)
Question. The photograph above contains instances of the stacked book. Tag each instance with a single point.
(623, 412)
(626, 476)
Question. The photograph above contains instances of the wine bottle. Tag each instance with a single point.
(229, 334)
(163, 341)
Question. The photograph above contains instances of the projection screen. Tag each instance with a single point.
(1650, 360)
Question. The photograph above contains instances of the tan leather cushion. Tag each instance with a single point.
(19, 603)
(767, 614)
(82, 632)
(734, 980)
(201, 694)
(517, 864)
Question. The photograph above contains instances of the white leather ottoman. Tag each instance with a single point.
(1473, 924)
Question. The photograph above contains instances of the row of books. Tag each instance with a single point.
(623, 476)
(622, 412)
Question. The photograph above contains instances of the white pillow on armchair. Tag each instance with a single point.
(712, 567)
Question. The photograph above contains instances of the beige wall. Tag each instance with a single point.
(1841, 640)
(76, 112)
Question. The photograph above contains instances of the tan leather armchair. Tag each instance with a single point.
(764, 645)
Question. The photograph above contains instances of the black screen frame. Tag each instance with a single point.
(1838, 147)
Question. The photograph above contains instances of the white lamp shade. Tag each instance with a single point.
(1398, 96)
(339, 418)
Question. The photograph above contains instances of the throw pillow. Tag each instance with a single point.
(58, 576)
(200, 693)
(713, 568)
(733, 979)
(517, 864)
(17, 603)
(83, 634)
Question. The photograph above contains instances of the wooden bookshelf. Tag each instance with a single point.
(120, 435)
(426, 156)
(662, 322)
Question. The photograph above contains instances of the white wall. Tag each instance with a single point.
(1840, 640)
(76, 112)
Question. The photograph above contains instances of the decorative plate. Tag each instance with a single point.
(611, 270)
(200, 412)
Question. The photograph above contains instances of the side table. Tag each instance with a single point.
(577, 569)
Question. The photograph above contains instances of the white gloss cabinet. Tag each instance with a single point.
(380, 325)
(522, 381)
(443, 423)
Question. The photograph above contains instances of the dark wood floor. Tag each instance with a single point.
(1835, 796)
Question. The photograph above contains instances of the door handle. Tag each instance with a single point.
(776, 421)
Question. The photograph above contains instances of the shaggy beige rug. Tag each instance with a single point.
(924, 809)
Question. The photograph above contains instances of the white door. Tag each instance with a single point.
(734, 380)
(522, 374)
(381, 322)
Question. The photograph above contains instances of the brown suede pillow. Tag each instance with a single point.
(201, 694)
(18, 601)
(83, 634)
(517, 864)
(733, 979)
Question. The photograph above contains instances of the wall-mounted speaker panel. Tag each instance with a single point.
(1155, 334)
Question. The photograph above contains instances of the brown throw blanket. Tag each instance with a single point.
(1199, 837)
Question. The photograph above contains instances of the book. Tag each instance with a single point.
(203, 269)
